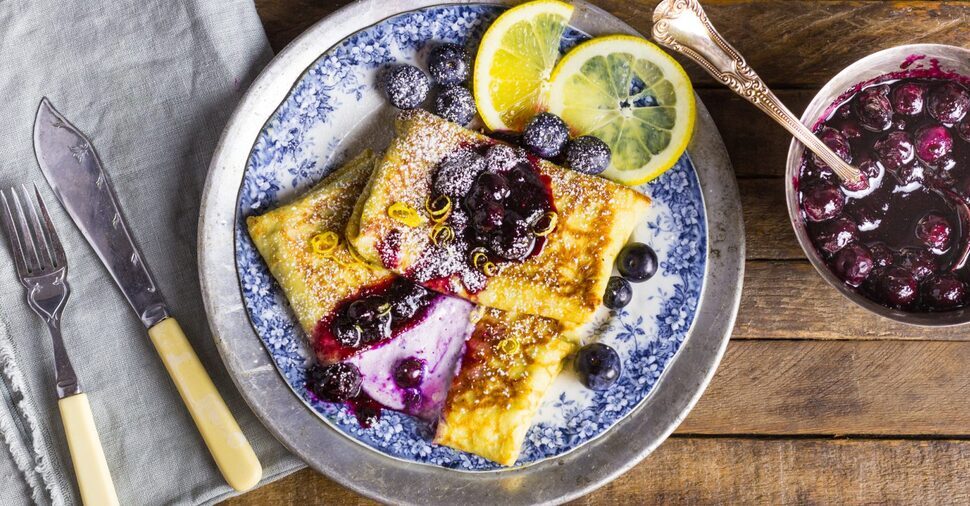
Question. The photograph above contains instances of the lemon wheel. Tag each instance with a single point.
(633, 96)
(515, 61)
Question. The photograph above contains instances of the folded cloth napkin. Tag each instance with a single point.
(152, 82)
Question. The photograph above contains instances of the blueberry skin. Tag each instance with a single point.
(637, 262)
(598, 366)
(588, 154)
(449, 64)
(406, 86)
(335, 382)
(618, 293)
(456, 104)
(545, 135)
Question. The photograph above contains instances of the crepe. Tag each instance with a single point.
(565, 281)
(509, 360)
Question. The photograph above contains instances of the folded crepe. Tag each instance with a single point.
(565, 280)
(504, 368)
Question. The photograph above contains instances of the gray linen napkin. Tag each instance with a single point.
(152, 83)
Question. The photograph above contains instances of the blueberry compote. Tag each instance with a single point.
(500, 211)
(903, 241)
(370, 318)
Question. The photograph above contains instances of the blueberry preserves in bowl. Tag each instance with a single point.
(900, 246)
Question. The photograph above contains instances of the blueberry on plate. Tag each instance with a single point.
(335, 382)
(545, 135)
(449, 64)
(456, 104)
(618, 293)
(406, 86)
(637, 262)
(598, 366)
(587, 154)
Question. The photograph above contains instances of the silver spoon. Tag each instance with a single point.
(683, 26)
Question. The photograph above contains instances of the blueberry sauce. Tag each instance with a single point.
(406, 343)
(501, 211)
(401, 297)
(903, 242)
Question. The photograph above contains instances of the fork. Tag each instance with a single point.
(42, 268)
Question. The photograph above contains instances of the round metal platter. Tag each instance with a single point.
(557, 478)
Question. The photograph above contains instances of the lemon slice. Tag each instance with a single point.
(633, 96)
(514, 62)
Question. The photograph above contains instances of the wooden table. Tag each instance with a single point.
(816, 401)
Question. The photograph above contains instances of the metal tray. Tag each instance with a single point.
(391, 480)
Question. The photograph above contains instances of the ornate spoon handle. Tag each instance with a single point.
(683, 26)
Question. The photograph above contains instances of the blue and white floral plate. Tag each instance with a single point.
(329, 112)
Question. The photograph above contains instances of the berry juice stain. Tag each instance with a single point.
(902, 244)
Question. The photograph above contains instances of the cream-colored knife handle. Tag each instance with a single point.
(228, 445)
(90, 466)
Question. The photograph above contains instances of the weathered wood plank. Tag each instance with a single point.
(757, 145)
(739, 471)
(789, 300)
(284, 20)
(837, 388)
(798, 43)
(767, 228)
(808, 41)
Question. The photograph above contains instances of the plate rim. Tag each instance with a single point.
(382, 477)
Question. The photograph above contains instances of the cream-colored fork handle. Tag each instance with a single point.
(90, 466)
(683, 26)
(228, 445)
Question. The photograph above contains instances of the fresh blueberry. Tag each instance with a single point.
(457, 172)
(637, 262)
(933, 143)
(907, 99)
(873, 109)
(456, 104)
(587, 154)
(335, 382)
(406, 86)
(409, 372)
(895, 150)
(822, 201)
(598, 366)
(346, 331)
(853, 264)
(545, 135)
(944, 291)
(449, 64)
(501, 157)
(948, 103)
(618, 293)
(935, 231)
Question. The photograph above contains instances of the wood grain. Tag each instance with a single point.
(739, 471)
(789, 300)
(284, 20)
(803, 43)
(837, 388)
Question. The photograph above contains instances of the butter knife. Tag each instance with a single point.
(72, 167)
